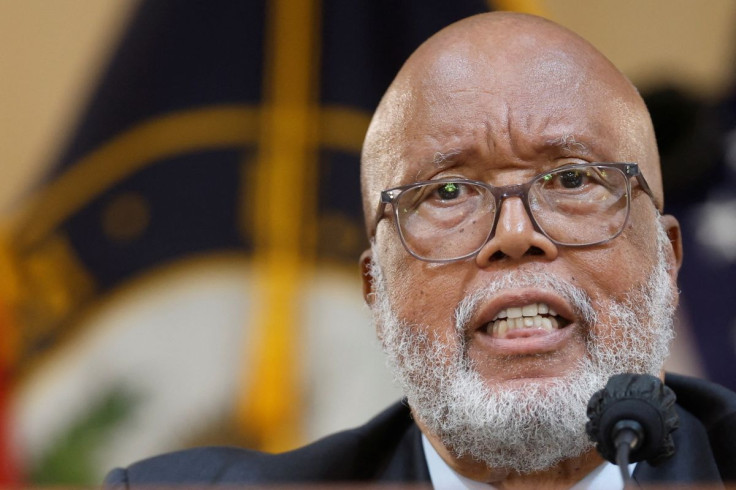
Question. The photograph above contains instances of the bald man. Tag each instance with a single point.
(519, 258)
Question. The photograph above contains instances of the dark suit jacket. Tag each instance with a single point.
(389, 449)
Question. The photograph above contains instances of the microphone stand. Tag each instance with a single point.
(628, 436)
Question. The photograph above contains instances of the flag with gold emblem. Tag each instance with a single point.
(187, 269)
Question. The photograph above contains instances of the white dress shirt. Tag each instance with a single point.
(605, 477)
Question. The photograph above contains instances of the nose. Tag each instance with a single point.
(515, 237)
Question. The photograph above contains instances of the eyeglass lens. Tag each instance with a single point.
(578, 206)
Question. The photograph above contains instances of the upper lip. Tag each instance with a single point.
(521, 297)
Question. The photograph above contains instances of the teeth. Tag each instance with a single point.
(529, 310)
(514, 312)
(535, 315)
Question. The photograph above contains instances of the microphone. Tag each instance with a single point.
(632, 420)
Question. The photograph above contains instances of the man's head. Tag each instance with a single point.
(501, 99)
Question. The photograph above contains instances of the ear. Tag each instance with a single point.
(365, 274)
(672, 227)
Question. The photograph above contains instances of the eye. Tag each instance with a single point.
(449, 190)
(571, 179)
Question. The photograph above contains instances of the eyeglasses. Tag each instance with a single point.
(452, 219)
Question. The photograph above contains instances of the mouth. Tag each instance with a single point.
(527, 320)
(527, 323)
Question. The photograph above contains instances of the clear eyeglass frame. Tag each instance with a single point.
(392, 196)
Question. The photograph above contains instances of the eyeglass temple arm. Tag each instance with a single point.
(645, 187)
(385, 199)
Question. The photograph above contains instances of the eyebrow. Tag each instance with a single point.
(443, 159)
(440, 161)
(568, 144)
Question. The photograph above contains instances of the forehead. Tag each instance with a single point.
(512, 107)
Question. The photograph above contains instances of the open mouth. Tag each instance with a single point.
(525, 321)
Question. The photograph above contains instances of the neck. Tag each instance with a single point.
(563, 475)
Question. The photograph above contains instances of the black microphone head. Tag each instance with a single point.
(640, 398)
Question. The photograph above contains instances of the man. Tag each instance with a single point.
(512, 194)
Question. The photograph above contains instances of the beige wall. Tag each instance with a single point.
(691, 41)
(50, 51)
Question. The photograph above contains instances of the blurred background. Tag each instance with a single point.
(180, 215)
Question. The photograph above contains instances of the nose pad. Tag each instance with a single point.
(515, 236)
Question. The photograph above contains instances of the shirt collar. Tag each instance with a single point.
(604, 477)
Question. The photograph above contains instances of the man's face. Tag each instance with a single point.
(503, 118)
(468, 118)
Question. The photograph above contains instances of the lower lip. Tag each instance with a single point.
(538, 342)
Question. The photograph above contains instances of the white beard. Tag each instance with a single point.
(529, 428)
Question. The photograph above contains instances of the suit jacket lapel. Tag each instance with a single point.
(408, 462)
(693, 461)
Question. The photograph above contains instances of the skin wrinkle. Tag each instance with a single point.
(509, 130)
(490, 145)
(499, 111)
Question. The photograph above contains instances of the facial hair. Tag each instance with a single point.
(532, 427)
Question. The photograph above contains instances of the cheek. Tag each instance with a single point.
(420, 292)
(613, 270)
